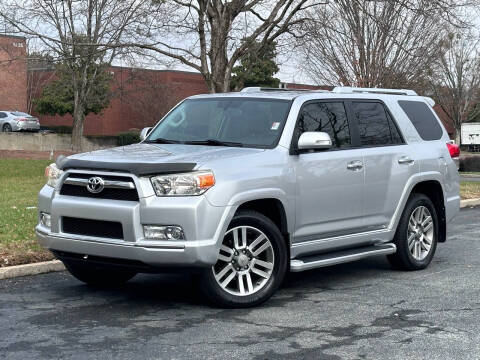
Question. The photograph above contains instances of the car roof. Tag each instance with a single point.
(305, 95)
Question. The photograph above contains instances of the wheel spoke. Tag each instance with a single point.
(266, 265)
(249, 282)
(227, 250)
(261, 249)
(241, 287)
(225, 270)
(260, 272)
(256, 242)
(427, 228)
(427, 220)
(228, 279)
(425, 245)
(411, 241)
(419, 214)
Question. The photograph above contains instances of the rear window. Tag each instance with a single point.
(423, 119)
(19, 113)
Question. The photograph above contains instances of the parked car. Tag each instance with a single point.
(241, 188)
(18, 121)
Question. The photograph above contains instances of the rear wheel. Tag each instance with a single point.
(251, 263)
(98, 276)
(7, 128)
(417, 235)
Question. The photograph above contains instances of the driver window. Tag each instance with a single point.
(329, 117)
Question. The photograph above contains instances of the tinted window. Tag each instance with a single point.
(423, 119)
(3, 115)
(375, 126)
(326, 117)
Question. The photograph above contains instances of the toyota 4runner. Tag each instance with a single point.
(242, 187)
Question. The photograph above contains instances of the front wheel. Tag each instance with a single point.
(417, 235)
(98, 276)
(251, 263)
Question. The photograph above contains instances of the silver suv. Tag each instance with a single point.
(242, 187)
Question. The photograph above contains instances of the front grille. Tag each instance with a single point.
(107, 193)
(89, 227)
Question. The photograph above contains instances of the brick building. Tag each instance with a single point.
(140, 97)
(13, 73)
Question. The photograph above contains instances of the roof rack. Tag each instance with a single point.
(350, 90)
(258, 88)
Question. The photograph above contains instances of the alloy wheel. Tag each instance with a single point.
(420, 233)
(245, 262)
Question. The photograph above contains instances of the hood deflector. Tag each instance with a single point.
(137, 168)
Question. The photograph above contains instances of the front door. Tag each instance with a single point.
(329, 183)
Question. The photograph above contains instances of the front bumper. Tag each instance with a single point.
(203, 225)
(181, 254)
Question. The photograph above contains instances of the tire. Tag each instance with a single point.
(7, 128)
(256, 267)
(412, 242)
(99, 276)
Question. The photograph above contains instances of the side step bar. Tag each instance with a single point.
(338, 257)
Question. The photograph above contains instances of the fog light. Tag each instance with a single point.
(170, 232)
(45, 219)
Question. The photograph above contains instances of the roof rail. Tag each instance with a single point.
(350, 90)
(258, 88)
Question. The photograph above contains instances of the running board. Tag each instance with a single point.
(339, 257)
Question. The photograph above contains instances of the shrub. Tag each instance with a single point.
(59, 129)
(127, 138)
(470, 163)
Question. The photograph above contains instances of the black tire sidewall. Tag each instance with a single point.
(401, 241)
(213, 290)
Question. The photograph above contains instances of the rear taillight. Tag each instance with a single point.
(21, 119)
(454, 150)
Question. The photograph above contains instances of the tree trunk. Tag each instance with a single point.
(458, 137)
(77, 130)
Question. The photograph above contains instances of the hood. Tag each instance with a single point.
(143, 159)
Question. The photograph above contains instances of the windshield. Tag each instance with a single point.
(224, 121)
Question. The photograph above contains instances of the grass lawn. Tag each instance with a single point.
(469, 190)
(20, 182)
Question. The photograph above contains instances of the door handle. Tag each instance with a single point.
(405, 160)
(355, 165)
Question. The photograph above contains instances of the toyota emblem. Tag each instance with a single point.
(95, 185)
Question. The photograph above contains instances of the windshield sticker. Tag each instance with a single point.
(275, 126)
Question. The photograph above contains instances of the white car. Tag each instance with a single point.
(18, 121)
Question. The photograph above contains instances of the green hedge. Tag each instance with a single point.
(59, 129)
(127, 138)
(470, 163)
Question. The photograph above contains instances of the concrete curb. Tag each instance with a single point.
(469, 202)
(31, 269)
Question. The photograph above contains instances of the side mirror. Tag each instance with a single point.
(144, 133)
(312, 140)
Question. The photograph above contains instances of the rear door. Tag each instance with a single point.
(329, 186)
(388, 161)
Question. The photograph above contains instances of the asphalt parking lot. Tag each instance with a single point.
(360, 310)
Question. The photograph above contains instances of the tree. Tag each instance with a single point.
(211, 36)
(456, 84)
(58, 96)
(364, 43)
(78, 34)
(256, 69)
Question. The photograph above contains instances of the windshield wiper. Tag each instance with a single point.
(162, 141)
(214, 142)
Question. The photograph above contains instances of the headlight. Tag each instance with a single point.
(52, 173)
(194, 183)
